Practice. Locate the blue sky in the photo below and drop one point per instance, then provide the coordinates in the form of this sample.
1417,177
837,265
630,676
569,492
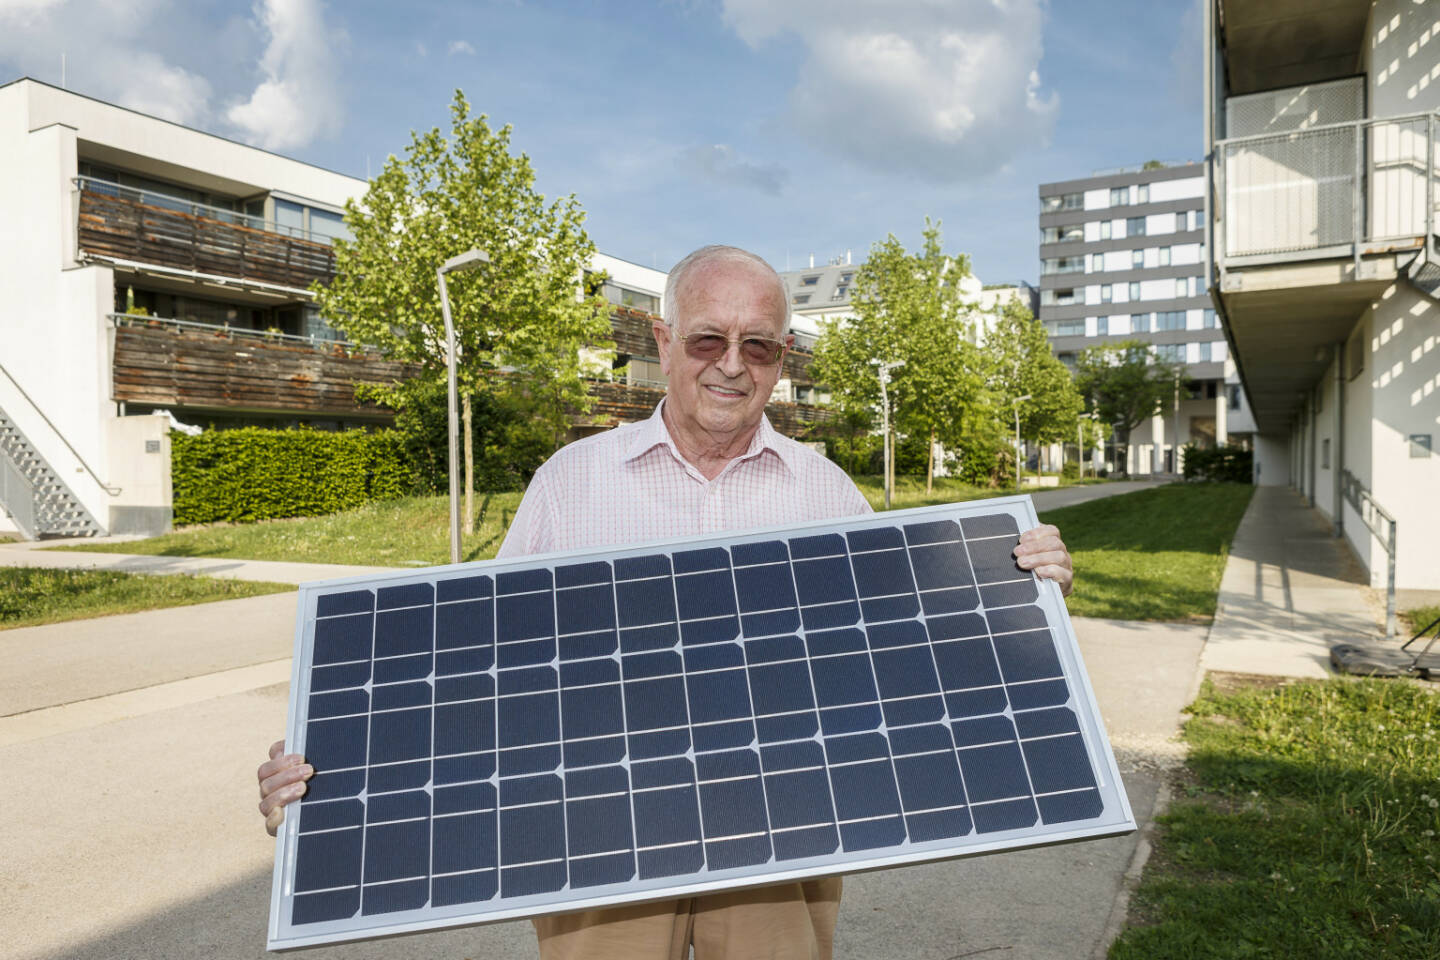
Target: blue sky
791,127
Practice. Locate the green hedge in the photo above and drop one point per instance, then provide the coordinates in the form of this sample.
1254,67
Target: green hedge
257,474
1227,464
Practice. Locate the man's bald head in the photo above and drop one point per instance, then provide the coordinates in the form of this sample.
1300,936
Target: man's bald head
682,275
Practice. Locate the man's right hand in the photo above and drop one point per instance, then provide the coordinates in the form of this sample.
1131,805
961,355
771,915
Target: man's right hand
282,781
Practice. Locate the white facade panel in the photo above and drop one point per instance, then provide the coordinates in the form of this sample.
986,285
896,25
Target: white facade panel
1092,231
1188,187
1158,223
1097,199
1185,254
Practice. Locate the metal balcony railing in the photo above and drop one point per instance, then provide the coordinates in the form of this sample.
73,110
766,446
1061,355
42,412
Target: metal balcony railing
1340,188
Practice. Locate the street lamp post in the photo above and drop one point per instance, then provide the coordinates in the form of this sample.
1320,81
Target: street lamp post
469,260
889,467
1016,404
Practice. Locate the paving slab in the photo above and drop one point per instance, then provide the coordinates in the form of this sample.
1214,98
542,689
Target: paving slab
274,571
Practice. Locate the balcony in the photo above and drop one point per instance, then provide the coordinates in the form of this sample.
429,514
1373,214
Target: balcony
143,228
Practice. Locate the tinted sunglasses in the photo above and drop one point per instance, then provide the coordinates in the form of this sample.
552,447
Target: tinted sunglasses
757,351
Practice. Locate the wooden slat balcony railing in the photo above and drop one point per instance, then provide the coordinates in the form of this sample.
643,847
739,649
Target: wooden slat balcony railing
114,224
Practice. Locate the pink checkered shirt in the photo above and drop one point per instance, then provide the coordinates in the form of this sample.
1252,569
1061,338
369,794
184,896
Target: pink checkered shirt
630,485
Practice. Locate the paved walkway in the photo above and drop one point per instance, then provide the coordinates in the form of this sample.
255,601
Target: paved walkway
1290,591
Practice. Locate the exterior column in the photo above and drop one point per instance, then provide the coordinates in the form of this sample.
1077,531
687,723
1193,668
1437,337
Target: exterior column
1157,434
1222,413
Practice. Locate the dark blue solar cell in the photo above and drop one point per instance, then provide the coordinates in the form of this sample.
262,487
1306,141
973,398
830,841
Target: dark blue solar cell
470,687
935,531
1044,723
330,905
584,753
596,871
405,595
914,710
657,664
399,735
588,645
462,769
396,851
1005,815
327,860
644,602
982,731
529,719
467,624
666,815
956,627
1008,594
799,799
598,825
1058,763
592,711
822,644
669,861
1046,693
1066,807
926,739
710,558
929,782
650,704
405,805
876,538
585,609
719,630
764,588
865,746
524,617
339,704
905,672
526,680
354,601
996,772
940,602
454,662
331,786
703,595
1016,619
766,551
391,897
830,615
474,887
464,727
737,852
586,673
530,790
414,693
660,773
715,656
642,639
964,664
416,666
791,756
339,678
523,581
398,776
722,695
464,798
781,688
336,744
769,624
331,815
938,824
990,525
811,842
865,790
890,608
840,720
940,565
640,568
843,680
822,545
463,588
579,574
823,581
994,560
341,639
530,880
906,633
596,781
771,649
663,743
871,834
724,735
398,632
791,726
882,574
464,842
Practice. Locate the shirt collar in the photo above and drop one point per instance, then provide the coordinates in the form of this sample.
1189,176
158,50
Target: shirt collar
652,432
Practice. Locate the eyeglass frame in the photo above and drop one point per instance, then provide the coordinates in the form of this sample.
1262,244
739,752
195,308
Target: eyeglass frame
780,347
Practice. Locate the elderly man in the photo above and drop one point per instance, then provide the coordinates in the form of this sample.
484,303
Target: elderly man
707,461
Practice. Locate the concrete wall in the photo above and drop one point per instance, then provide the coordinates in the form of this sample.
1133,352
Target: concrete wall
1402,62
1272,460
140,467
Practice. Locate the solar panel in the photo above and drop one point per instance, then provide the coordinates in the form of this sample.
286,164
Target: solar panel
514,738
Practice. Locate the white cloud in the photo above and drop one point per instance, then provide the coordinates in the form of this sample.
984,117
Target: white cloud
461,46
298,99
944,89
719,163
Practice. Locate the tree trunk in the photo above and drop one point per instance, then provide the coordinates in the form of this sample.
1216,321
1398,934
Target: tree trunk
469,467
930,466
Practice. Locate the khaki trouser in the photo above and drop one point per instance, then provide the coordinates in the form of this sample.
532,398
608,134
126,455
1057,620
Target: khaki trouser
793,921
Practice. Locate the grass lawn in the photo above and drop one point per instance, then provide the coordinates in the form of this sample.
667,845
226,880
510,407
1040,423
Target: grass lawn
411,532
910,491
1307,828
1412,620
1151,555
30,596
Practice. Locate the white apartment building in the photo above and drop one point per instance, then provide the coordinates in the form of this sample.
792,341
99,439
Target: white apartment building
1322,128
1121,258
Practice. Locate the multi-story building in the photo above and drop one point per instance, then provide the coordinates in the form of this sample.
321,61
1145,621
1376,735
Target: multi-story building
1321,127
1121,258
148,267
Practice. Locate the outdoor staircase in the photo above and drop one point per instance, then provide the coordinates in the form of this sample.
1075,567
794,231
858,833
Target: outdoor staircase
33,495
1424,272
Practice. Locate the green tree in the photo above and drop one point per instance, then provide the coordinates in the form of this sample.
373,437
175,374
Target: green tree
907,308
522,321
1022,363
1127,383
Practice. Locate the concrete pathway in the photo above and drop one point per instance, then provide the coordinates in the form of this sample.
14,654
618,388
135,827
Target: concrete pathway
1290,591
33,554
1069,496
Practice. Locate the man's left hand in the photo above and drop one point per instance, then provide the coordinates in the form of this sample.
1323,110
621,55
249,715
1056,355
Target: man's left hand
1042,552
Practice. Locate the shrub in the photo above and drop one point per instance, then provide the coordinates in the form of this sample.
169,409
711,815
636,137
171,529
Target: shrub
1071,470
1227,464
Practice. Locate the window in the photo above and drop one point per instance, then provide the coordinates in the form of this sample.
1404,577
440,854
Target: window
291,216
846,277
841,292
1064,201
1097,263
1119,196
1105,293
1076,231
1134,289
1170,352
1170,320
328,225
1204,353
1058,298
1102,326
1208,320
810,281
1142,193
800,298
1104,229
1181,287
1067,357
1325,454
1063,265
1134,226
1067,328
1164,256
1232,395
1137,259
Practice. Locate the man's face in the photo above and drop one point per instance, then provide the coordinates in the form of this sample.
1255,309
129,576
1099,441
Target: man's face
724,397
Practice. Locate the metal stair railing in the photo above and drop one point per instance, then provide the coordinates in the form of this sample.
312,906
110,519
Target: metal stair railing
17,497
113,491
1380,524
